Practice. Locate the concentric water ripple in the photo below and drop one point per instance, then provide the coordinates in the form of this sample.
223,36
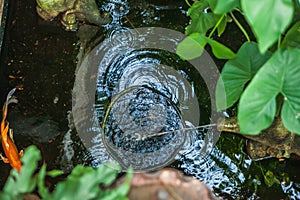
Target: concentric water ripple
147,101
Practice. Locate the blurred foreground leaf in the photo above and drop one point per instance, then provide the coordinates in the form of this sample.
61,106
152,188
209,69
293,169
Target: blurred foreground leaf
83,182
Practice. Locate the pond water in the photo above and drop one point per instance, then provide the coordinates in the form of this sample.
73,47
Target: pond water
41,57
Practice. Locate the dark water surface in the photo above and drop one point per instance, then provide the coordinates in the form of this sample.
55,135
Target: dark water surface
41,57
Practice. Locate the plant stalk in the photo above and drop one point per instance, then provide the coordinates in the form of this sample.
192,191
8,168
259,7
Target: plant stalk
188,3
240,27
216,26
279,42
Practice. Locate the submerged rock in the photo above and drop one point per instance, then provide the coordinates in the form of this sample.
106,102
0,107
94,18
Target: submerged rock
40,129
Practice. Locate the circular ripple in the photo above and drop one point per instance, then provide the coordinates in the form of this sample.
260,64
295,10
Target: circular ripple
144,61
133,127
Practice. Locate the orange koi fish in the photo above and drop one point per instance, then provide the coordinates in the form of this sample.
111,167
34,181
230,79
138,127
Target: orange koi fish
9,147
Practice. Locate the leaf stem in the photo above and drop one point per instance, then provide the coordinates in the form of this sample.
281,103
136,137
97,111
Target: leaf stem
188,3
279,42
216,26
240,27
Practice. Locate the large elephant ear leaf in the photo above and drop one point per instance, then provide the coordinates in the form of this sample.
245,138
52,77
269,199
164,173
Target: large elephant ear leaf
268,19
257,107
191,47
221,6
237,72
292,38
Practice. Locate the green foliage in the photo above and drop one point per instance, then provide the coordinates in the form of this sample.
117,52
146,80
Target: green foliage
292,38
219,50
192,47
238,72
201,20
273,174
221,6
268,19
274,73
24,182
221,24
258,103
270,179
82,183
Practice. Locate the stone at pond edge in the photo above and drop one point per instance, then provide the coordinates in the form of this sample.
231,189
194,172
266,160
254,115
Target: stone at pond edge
275,141
166,184
31,197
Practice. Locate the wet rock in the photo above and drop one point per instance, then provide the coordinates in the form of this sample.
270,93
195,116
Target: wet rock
40,129
72,11
31,197
275,141
167,184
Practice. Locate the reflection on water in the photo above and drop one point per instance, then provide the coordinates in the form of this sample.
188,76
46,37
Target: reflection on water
227,170
141,93
220,172
133,115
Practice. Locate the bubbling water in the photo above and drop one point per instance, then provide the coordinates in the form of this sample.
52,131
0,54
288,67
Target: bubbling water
131,117
147,101
147,97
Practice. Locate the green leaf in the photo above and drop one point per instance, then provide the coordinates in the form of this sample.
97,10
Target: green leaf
43,191
201,20
80,184
54,173
280,74
221,6
83,182
191,47
4,196
223,23
219,50
292,38
268,19
107,173
23,182
237,72
121,191
270,179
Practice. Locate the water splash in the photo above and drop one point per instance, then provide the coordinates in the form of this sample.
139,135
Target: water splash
142,91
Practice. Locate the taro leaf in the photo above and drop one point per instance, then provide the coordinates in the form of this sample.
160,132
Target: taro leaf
292,38
219,50
297,11
221,6
222,24
191,47
201,20
237,72
280,74
23,182
268,19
